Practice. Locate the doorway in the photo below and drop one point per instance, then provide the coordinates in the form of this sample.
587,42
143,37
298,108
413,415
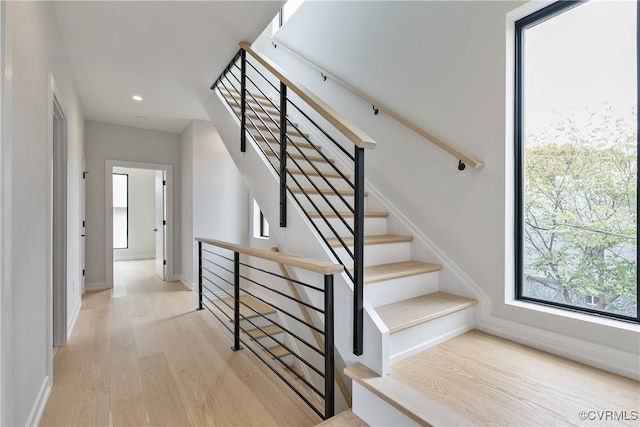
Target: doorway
139,221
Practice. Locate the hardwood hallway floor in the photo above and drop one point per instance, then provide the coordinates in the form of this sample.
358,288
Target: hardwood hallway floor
141,354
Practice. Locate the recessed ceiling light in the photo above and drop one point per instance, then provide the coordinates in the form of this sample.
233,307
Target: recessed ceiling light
141,118
137,98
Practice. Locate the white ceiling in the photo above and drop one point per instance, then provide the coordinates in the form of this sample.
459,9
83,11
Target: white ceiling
168,52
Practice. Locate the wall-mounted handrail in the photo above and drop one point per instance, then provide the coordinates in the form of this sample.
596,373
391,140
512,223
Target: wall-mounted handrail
355,135
378,106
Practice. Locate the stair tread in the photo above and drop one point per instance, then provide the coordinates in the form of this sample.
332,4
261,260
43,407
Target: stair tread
405,399
539,388
272,141
269,329
245,311
371,240
299,156
396,270
237,95
279,351
332,214
325,191
404,314
315,173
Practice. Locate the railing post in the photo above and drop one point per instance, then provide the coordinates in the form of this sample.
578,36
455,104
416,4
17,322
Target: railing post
236,302
199,275
283,155
243,100
329,398
358,253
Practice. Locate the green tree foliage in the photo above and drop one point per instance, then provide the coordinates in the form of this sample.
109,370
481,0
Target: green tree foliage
580,210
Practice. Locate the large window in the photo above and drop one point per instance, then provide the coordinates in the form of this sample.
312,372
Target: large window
577,157
120,211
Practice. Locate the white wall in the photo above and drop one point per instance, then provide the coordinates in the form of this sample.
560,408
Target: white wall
446,66
33,49
141,220
220,198
105,141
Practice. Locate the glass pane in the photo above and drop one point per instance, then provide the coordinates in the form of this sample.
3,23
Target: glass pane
120,188
580,158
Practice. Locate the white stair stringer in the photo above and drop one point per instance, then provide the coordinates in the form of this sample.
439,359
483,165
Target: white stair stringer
298,237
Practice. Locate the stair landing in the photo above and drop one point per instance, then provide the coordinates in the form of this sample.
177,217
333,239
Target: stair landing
481,379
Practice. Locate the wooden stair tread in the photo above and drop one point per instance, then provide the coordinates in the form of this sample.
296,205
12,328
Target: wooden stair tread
299,156
315,173
396,270
325,191
278,351
300,144
538,388
401,396
268,330
404,314
292,370
371,240
332,214
344,419
245,311
236,95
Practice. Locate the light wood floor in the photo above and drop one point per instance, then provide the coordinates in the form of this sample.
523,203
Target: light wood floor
495,382
141,354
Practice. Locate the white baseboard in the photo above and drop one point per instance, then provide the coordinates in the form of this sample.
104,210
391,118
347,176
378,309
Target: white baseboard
74,317
132,257
40,403
101,286
590,353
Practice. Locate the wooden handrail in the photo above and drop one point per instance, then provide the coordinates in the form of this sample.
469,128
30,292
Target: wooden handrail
326,268
355,135
476,164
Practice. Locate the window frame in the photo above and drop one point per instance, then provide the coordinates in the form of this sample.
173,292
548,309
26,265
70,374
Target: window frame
264,226
521,26
112,207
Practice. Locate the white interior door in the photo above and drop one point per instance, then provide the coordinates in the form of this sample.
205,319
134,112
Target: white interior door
161,225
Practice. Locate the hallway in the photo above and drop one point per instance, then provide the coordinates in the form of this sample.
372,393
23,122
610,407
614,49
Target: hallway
141,355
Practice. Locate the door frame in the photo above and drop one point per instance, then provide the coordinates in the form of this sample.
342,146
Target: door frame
59,161
6,306
168,170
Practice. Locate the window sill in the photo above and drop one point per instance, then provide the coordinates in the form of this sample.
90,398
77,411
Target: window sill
612,323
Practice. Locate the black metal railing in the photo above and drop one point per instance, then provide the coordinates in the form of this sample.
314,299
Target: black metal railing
316,182
242,295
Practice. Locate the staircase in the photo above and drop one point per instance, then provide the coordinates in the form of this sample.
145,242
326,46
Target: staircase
404,292
404,303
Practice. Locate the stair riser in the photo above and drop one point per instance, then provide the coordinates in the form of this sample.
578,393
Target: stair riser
320,182
321,203
372,226
379,254
421,337
390,291
376,411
